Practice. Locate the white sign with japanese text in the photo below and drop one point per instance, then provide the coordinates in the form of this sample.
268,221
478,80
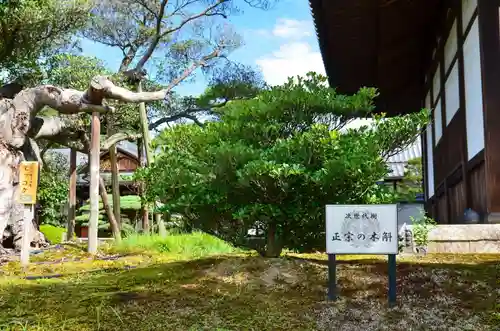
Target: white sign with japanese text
362,229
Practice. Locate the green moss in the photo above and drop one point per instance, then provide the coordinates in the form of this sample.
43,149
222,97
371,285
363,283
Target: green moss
52,233
190,245
172,291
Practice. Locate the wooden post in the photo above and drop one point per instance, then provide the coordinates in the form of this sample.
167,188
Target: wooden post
115,185
145,128
72,196
332,277
149,157
111,217
94,183
392,267
144,206
28,178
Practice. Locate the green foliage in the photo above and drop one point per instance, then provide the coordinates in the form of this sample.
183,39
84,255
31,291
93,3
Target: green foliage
127,202
102,220
53,189
31,29
195,244
130,206
74,71
277,160
231,82
412,180
53,233
421,227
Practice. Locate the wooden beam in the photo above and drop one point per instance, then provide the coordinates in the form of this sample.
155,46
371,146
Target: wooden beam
488,15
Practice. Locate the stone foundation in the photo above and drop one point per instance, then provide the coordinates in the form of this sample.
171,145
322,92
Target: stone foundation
465,238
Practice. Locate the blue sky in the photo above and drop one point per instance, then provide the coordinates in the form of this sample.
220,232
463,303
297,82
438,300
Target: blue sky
281,41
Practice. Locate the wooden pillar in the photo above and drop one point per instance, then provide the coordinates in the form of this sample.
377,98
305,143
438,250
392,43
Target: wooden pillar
115,185
94,183
488,15
72,196
461,88
442,97
423,159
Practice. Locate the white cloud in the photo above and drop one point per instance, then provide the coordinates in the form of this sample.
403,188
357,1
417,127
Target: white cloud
292,59
292,29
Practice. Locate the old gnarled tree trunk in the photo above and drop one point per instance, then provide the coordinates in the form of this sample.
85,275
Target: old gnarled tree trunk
20,128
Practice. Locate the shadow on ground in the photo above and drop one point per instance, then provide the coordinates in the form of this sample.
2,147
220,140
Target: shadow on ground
252,293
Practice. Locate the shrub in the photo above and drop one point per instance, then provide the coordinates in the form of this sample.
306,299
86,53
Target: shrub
52,233
193,244
277,160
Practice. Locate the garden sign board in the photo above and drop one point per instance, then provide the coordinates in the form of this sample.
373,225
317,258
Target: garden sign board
28,182
362,229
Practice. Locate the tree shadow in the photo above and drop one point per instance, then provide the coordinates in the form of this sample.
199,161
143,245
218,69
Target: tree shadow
238,293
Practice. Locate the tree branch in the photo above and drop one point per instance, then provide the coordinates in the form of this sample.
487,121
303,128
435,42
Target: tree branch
102,86
116,138
189,114
159,35
185,114
202,62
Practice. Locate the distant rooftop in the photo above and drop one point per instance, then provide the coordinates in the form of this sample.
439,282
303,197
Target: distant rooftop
81,158
398,162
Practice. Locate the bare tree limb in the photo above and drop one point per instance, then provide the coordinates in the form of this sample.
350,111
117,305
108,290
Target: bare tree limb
159,34
202,62
45,149
189,114
116,138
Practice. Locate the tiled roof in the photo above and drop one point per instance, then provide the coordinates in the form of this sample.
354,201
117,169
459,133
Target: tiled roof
81,158
398,162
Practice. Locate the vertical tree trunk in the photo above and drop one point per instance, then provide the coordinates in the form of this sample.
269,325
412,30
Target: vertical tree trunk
115,185
149,157
94,183
72,196
111,217
144,206
273,247
162,230
145,128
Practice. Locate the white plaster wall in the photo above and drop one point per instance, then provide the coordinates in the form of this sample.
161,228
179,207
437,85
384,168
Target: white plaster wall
450,47
473,93
452,94
430,162
436,82
468,7
428,101
438,122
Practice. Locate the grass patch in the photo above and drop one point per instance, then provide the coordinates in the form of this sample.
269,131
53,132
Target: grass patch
196,244
179,289
52,233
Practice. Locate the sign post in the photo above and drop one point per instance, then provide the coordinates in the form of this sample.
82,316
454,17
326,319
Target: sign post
28,179
362,229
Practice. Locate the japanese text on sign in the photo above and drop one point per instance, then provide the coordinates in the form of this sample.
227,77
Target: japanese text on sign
361,229
28,181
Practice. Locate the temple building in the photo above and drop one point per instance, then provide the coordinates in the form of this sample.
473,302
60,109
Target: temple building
127,162
443,55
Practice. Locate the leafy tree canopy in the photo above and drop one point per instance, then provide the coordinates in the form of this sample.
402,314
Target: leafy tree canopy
30,29
53,189
276,160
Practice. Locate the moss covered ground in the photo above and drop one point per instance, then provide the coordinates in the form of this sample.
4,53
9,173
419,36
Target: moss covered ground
196,289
